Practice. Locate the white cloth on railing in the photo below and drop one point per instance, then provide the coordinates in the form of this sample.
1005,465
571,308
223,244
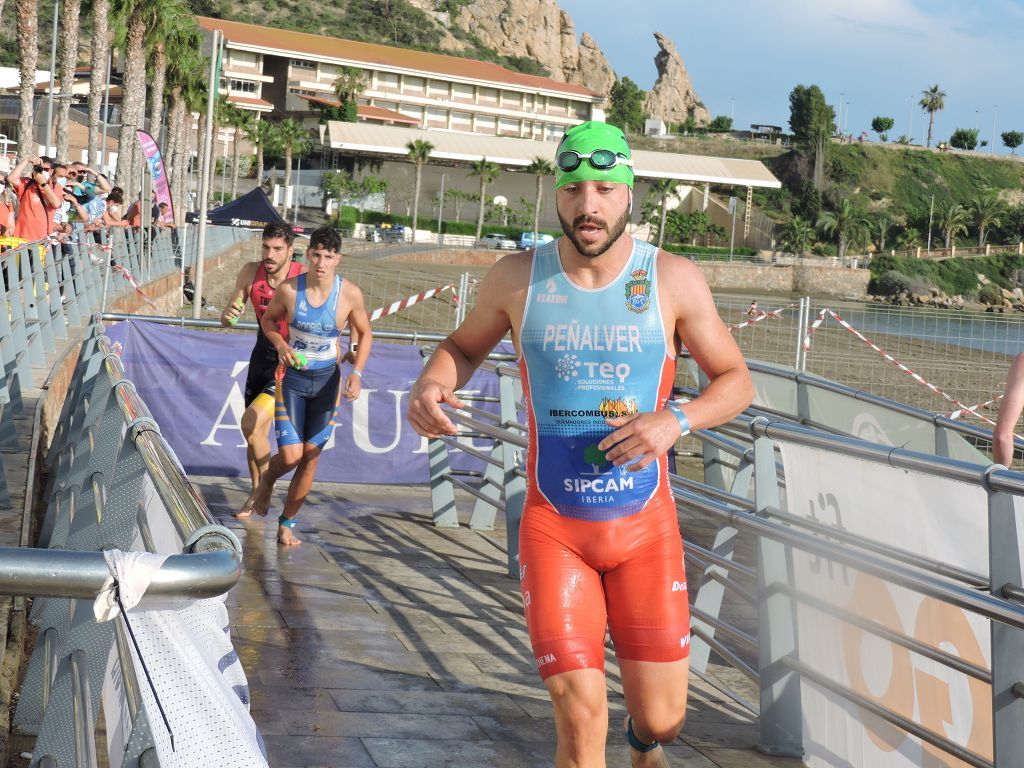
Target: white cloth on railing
130,573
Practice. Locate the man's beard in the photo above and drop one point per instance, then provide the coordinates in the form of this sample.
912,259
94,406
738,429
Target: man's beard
592,251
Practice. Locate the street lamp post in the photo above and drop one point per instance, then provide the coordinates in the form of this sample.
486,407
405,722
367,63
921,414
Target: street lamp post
53,63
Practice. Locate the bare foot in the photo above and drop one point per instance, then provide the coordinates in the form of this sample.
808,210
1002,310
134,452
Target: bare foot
286,538
258,502
654,759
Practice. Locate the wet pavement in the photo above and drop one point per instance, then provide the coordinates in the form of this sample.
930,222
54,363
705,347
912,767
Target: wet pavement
386,642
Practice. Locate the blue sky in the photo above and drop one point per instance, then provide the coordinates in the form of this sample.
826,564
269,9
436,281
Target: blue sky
876,55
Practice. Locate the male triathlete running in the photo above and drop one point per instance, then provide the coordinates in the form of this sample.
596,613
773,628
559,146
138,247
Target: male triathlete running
316,307
256,282
598,319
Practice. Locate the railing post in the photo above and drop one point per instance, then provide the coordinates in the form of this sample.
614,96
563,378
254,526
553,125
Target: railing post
510,391
54,290
442,492
1004,551
781,720
484,512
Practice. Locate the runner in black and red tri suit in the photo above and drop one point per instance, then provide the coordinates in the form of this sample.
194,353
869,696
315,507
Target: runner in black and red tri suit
257,283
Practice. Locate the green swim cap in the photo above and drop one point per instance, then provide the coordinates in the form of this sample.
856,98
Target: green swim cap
598,151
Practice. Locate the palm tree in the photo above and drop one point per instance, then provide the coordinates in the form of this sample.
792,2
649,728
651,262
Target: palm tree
244,123
487,172
663,188
953,222
263,137
419,152
134,17
988,210
798,236
882,224
66,73
932,100
846,223
97,75
347,87
293,139
171,22
541,168
28,53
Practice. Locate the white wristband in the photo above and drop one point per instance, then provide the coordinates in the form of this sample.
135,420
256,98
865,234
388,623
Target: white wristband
357,372
684,423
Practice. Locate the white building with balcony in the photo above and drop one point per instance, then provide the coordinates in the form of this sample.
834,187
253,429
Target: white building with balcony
293,73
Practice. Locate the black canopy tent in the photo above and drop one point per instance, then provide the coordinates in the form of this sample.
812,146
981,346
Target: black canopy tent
251,211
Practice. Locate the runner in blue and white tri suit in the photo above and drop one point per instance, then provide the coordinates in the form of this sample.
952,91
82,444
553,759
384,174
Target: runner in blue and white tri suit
317,307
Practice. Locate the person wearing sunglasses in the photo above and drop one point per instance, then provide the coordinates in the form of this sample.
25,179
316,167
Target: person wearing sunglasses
598,320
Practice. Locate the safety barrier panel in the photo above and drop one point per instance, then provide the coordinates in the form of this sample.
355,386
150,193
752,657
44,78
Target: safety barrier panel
51,289
113,483
904,601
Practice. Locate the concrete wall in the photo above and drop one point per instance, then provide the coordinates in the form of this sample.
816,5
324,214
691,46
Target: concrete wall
811,280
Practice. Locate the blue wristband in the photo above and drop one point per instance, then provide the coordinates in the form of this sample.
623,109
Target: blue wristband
287,522
684,423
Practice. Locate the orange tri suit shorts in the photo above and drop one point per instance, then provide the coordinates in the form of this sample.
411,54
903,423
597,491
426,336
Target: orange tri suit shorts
580,578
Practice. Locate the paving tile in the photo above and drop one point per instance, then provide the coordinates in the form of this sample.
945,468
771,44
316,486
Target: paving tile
394,726
496,705
423,753
308,751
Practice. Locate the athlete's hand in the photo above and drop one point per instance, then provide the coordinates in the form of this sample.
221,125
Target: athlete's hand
231,313
425,412
286,356
353,386
640,438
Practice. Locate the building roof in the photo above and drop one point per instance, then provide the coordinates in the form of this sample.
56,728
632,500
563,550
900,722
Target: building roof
391,141
251,102
355,53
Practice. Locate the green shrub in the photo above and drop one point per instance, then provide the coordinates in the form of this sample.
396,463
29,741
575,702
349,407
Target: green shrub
990,294
889,283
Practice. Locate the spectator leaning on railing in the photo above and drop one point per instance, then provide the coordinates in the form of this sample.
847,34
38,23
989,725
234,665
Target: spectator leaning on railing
37,200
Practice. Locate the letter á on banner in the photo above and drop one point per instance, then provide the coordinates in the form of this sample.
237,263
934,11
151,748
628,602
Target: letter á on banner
235,402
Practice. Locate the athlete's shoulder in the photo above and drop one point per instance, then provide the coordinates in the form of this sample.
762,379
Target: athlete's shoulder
249,270
512,270
672,266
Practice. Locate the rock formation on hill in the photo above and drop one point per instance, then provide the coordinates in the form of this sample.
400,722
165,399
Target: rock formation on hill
672,98
540,30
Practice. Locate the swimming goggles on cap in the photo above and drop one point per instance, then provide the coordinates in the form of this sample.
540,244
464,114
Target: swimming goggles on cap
602,159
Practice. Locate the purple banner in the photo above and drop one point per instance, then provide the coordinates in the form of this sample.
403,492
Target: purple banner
156,172
193,383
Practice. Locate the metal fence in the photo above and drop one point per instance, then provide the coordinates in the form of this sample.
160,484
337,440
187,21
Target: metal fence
758,638
946,361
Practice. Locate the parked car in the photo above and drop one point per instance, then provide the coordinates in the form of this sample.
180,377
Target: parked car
497,240
386,233
526,239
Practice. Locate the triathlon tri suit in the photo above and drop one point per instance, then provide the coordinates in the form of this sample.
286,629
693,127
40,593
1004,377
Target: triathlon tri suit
308,397
263,360
599,545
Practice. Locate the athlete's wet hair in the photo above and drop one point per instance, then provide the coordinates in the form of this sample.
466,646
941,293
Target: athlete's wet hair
280,229
326,237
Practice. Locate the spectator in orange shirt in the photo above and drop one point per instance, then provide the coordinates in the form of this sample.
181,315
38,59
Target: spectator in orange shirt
37,200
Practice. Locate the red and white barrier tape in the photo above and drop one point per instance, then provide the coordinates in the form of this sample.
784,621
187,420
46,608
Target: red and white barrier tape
400,305
960,411
135,283
775,313
886,356
813,328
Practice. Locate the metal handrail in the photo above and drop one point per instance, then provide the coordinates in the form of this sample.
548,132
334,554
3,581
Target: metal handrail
962,597
34,572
